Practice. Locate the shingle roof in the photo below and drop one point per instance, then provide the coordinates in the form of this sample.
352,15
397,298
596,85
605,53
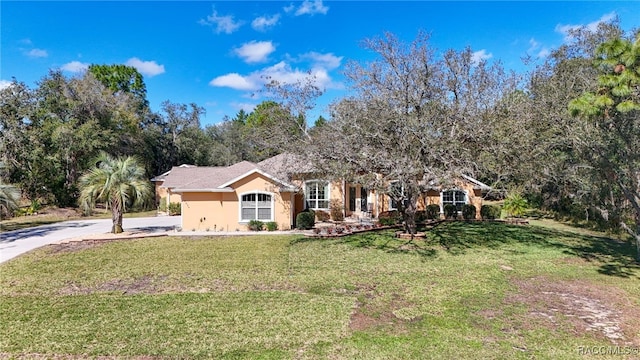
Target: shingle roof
162,176
283,166
213,178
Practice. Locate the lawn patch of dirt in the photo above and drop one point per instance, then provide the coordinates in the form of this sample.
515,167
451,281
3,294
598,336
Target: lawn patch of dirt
581,306
142,285
73,246
70,357
397,313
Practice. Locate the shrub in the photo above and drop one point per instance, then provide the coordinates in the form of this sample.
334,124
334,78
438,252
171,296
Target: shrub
388,218
175,209
322,216
271,226
162,206
468,212
450,211
515,204
337,213
305,220
255,225
433,212
490,212
421,216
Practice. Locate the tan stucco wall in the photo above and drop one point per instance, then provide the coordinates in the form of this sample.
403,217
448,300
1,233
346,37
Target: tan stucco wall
474,197
221,212
163,192
336,192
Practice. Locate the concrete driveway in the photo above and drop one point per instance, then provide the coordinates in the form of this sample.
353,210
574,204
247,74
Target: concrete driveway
17,242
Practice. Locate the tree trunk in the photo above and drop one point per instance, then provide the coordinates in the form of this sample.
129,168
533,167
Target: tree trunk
637,236
116,217
409,215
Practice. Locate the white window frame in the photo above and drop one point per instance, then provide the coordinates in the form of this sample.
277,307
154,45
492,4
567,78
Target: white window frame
466,199
271,206
316,200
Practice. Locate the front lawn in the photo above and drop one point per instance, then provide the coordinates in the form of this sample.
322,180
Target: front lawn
469,291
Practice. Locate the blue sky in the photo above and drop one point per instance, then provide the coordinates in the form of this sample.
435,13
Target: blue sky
216,54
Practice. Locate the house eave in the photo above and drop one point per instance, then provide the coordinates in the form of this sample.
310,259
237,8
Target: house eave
215,190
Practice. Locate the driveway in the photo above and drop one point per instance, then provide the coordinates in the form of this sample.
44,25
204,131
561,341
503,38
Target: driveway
17,242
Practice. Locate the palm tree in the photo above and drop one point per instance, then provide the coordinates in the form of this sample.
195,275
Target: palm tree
9,197
119,182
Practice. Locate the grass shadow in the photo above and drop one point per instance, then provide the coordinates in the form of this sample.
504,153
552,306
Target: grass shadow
615,257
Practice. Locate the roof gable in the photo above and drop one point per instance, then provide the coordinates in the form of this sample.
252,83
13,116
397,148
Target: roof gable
214,178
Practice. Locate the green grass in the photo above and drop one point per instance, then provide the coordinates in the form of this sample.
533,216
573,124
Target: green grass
368,296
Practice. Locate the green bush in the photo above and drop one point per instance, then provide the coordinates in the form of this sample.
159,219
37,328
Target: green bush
433,211
175,209
515,205
322,216
337,213
388,218
271,226
421,216
162,206
468,212
305,220
255,225
450,211
490,212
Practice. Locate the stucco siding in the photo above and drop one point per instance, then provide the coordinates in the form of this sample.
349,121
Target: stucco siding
220,211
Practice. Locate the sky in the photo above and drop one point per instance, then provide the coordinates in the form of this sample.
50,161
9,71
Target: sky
219,54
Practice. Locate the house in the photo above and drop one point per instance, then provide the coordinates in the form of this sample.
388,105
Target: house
227,198
279,188
162,192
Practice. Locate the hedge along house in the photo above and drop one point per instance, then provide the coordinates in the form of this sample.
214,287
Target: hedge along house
228,198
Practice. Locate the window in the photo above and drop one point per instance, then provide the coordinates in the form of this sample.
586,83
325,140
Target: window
352,198
363,199
396,189
317,195
256,206
455,197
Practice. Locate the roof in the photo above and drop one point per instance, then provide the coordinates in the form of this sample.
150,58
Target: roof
162,176
476,183
216,179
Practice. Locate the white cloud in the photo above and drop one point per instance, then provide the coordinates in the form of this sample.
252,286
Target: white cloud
542,52
319,66
255,51
4,84
308,8
247,107
478,56
221,24
325,61
566,30
75,67
37,53
235,81
148,68
263,23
